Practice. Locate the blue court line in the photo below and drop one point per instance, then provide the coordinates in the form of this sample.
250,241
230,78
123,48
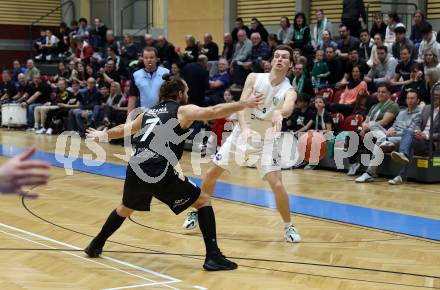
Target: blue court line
368,217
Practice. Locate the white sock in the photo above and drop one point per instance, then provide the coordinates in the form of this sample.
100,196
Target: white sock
286,225
194,210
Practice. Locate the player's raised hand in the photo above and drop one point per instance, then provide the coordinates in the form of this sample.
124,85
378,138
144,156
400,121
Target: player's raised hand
100,136
19,171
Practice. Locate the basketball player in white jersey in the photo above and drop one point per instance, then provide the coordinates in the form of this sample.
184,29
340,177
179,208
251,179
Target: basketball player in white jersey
256,137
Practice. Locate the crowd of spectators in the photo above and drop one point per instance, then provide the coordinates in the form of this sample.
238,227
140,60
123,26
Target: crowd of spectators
381,78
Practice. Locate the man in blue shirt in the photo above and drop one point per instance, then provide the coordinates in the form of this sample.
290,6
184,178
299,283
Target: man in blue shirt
218,84
146,82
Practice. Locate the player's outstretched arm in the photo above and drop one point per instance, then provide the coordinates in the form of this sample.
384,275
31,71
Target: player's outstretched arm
189,113
248,90
117,132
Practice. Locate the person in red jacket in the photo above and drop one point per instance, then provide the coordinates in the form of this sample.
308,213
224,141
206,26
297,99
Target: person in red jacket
83,51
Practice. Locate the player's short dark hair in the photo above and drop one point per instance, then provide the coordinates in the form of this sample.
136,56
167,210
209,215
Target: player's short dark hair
364,30
170,88
285,47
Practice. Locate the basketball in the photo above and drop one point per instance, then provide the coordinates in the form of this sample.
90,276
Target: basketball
312,146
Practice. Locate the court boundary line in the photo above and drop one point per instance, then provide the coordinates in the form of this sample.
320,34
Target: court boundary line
116,261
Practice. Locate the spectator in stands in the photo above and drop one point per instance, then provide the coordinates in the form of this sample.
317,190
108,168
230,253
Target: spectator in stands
39,42
257,26
64,41
191,52
355,86
243,47
146,82
301,35
22,90
218,84
90,72
301,119
175,69
66,101
352,11
209,48
239,25
320,71
83,29
431,67
390,35
322,120
335,66
98,35
41,112
149,41
416,140
379,25
31,70
196,76
82,75
326,41
346,42
228,47
72,69
416,33
17,69
115,112
113,55
406,119
73,28
403,69
379,40
108,74
38,94
353,60
402,41
7,88
301,83
110,41
382,114
90,99
62,72
383,71
167,52
50,47
82,51
128,50
429,41
366,45
322,24
417,84
260,52
273,42
285,33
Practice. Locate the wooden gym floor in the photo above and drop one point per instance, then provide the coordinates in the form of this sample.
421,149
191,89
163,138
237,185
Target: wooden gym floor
41,240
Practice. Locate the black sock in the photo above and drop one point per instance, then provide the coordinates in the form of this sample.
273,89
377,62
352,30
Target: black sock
207,226
114,221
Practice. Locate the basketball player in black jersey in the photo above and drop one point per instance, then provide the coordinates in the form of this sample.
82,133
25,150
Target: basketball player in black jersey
151,171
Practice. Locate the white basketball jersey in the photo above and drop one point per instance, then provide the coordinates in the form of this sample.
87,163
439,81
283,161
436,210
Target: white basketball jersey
260,119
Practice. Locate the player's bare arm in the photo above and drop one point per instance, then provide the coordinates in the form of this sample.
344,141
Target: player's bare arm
117,132
189,113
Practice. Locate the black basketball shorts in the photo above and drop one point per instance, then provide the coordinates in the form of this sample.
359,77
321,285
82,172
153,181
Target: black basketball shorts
174,189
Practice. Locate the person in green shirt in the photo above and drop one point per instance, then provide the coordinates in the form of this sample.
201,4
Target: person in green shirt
320,71
382,114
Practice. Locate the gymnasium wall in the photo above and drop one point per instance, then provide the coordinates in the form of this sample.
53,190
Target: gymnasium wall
15,20
195,17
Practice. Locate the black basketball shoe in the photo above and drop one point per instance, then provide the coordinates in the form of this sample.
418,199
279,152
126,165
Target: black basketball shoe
93,250
218,263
